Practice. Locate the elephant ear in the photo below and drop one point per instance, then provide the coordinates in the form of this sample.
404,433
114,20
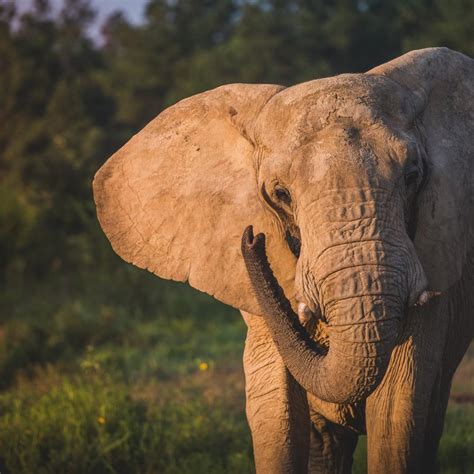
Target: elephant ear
177,197
438,87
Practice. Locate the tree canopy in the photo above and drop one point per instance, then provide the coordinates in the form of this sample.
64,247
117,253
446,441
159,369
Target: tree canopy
67,102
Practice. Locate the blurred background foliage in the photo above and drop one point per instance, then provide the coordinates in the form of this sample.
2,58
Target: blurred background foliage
67,102
104,368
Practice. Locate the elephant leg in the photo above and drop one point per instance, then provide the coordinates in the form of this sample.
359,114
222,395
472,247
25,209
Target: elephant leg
459,337
434,426
277,407
398,412
332,447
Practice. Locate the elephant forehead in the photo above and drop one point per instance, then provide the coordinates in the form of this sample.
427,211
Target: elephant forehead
338,156
296,114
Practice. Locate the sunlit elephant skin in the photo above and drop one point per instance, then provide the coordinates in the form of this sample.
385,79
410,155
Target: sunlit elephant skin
338,216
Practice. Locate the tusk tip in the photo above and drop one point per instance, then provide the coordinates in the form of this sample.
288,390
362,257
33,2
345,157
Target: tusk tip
304,313
426,296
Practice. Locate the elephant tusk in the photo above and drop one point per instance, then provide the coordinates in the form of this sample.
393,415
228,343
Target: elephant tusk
304,313
426,296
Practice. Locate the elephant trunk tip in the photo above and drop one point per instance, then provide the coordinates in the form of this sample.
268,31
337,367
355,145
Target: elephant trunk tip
251,242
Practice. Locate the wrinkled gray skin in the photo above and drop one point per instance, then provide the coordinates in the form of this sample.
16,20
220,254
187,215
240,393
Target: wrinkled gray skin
363,186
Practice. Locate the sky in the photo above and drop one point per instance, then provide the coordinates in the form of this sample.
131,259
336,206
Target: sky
133,10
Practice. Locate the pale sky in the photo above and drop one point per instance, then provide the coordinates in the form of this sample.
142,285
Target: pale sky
133,9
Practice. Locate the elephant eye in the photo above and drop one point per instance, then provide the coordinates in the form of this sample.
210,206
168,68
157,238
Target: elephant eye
282,194
411,178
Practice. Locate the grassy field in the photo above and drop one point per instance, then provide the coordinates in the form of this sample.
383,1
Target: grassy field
146,378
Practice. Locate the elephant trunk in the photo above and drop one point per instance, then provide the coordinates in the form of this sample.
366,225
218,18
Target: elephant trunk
362,328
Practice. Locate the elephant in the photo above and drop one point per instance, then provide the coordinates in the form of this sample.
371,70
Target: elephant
338,216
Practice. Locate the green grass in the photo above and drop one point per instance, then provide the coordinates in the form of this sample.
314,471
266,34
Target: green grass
98,378
95,426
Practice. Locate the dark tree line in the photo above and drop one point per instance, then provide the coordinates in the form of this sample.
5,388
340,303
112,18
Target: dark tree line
67,102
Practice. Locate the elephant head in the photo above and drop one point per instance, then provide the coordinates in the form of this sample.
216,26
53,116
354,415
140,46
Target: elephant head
361,183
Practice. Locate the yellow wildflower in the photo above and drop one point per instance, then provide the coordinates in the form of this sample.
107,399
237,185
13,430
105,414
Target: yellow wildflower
203,366
101,420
